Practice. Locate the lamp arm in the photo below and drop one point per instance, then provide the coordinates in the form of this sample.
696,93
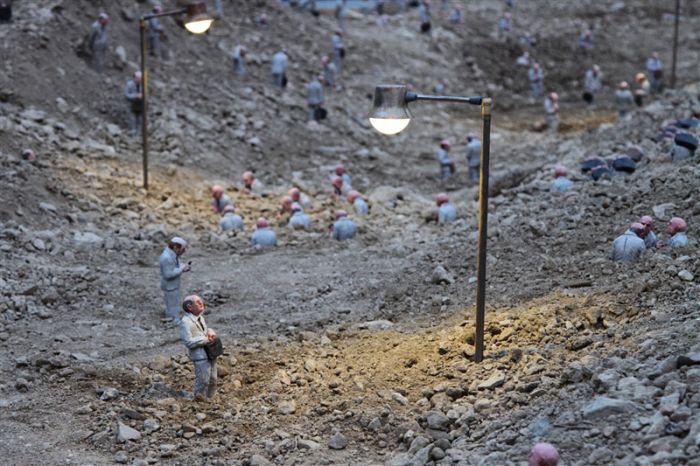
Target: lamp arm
473,100
165,13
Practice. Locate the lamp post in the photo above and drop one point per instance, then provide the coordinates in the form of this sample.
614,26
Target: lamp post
675,43
197,22
390,115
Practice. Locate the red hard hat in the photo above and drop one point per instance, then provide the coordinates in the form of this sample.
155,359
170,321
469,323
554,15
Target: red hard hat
352,195
445,143
441,198
337,181
339,169
28,154
637,228
262,223
543,454
646,220
560,170
340,214
294,193
678,224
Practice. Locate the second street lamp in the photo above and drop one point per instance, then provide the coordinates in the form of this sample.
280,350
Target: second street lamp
390,115
197,22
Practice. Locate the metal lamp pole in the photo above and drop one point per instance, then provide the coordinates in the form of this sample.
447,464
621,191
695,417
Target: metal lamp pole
196,8
485,103
675,43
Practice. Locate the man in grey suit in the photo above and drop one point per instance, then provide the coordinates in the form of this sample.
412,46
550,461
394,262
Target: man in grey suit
196,335
170,271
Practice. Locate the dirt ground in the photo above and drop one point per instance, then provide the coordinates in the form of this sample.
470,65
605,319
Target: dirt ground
357,352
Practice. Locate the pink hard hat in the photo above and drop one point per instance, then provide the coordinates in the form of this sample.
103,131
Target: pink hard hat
294,193
138,76
28,154
640,77
637,228
352,195
103,18
339,169
262,223
286,201
646,220
337,181
596,68
678,224
554,96
560,170
441,198
229,208
248,175
543,454
624,85
216,189
445,143
325,60
340,213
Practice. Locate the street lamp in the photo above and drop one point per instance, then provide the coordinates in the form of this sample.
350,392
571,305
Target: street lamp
197,22
390,115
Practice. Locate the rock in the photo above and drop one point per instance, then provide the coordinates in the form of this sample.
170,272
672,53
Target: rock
113,130
121,457
496,380
337,442
22,384
287,407
47,207
436,420
150,425
310,365
39,244
660,210
306,444
690,359
120,52
399,398
86,238
126,433
108,393
437,453
62,105
376,325
375,424
440,276
167,450
33,114
685,275
604,406
133,414
257,460
669,403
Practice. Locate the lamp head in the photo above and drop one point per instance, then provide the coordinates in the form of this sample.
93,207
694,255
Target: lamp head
390,114
197,20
